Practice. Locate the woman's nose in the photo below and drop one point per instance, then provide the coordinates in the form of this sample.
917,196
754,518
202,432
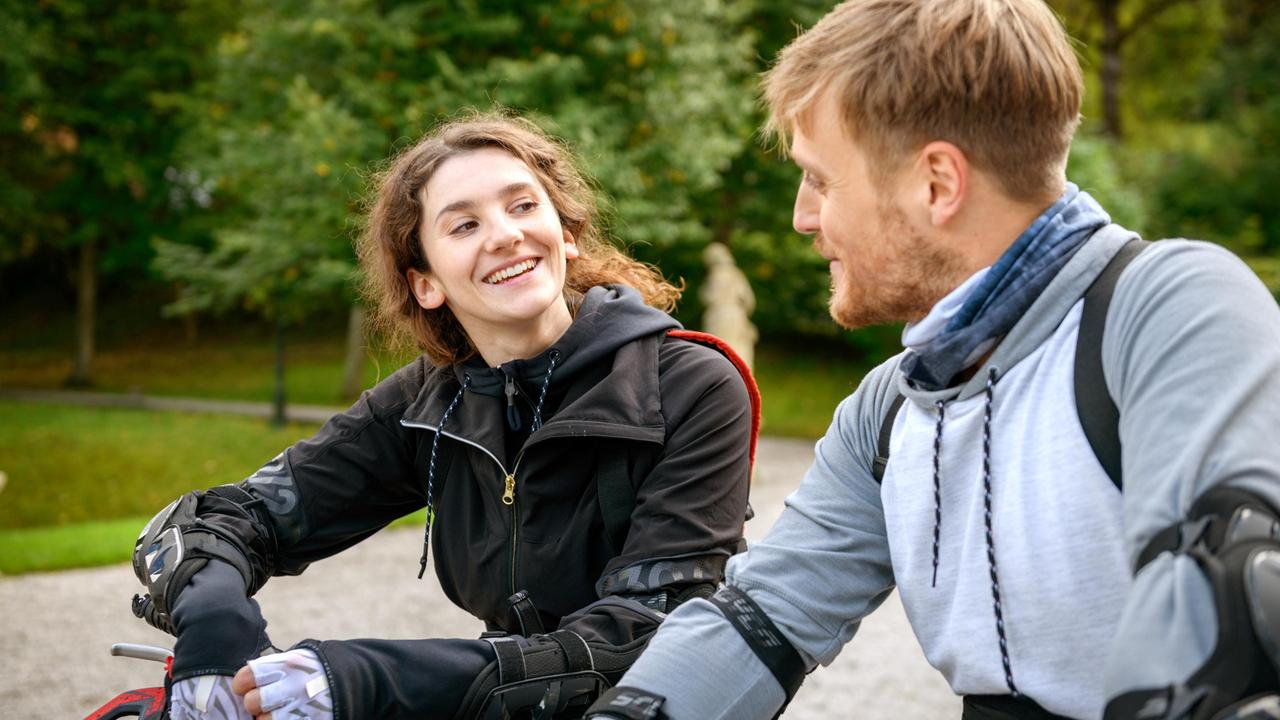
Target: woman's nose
505,233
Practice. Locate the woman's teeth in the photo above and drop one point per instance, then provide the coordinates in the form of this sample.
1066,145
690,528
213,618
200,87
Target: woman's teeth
510,272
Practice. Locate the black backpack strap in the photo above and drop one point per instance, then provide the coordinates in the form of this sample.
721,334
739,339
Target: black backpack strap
882,444
1099,416
617,497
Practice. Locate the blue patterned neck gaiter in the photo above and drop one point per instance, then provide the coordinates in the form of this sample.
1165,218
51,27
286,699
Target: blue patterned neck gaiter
1013,283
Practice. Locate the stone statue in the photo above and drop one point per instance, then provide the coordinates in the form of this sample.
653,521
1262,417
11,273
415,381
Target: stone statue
728,300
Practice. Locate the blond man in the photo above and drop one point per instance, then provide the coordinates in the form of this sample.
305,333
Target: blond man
1055,558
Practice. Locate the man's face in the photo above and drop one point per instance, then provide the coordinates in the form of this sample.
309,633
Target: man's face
883,268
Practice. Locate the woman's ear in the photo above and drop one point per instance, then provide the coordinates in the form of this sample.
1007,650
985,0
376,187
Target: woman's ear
570,245
425,291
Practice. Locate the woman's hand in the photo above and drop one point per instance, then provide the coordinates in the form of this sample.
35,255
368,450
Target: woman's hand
292,682
205,697
218,627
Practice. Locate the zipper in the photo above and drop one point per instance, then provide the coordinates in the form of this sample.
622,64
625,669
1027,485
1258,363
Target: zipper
515,517
515,526
509,497
513,414
464,441
508,486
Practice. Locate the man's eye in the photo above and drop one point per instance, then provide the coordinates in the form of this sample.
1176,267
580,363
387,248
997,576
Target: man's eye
525,206
813,182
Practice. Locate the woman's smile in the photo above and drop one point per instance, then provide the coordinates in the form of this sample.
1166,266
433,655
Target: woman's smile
510,273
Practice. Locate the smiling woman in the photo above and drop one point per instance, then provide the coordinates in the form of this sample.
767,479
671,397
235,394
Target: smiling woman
496,254
583,472
435,189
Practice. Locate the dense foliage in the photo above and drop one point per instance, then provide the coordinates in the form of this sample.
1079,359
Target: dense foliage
234,141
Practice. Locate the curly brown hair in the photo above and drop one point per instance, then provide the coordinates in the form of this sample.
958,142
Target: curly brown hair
390,243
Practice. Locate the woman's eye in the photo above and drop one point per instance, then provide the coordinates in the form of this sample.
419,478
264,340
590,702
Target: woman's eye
814,183
525,206
467,226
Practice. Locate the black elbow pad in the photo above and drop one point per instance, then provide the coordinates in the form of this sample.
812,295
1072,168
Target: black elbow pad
1234,537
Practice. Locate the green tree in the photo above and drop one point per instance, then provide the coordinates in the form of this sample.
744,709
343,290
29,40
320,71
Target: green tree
87,135
656,96
1129,44
1219,182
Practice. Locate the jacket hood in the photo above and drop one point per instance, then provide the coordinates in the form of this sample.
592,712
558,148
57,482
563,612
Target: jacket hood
609,317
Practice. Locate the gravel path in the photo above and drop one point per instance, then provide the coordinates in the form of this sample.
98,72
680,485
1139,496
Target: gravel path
56,628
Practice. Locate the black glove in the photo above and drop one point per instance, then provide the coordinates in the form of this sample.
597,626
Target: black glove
218,627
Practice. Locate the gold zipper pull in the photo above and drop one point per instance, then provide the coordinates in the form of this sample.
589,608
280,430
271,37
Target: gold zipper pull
509,490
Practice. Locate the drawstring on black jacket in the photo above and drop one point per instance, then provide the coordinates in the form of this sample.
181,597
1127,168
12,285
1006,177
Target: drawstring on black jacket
997,604
513,421
553,357
431,472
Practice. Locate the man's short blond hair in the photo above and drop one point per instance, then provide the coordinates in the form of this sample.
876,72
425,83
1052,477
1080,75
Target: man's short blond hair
997,78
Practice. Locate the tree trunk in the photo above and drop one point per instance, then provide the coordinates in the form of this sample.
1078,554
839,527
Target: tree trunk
191,327
86,314
353,366
277,405
1112,40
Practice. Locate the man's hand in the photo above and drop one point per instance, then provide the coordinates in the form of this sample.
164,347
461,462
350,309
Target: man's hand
292,682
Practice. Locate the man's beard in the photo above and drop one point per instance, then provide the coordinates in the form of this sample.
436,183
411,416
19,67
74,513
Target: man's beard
911,276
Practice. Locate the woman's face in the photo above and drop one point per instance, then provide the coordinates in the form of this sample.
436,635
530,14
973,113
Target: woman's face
495,249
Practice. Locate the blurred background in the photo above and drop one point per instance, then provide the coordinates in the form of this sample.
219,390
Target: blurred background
180,183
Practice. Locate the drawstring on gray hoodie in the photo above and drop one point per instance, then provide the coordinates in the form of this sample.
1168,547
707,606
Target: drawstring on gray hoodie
994,299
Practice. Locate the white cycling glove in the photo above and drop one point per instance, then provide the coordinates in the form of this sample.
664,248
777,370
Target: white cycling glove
292,684
207,697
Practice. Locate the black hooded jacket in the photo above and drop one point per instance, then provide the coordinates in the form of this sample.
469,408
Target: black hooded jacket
614,389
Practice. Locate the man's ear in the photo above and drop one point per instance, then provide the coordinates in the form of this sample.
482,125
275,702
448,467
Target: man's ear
425,290
946,173
570,245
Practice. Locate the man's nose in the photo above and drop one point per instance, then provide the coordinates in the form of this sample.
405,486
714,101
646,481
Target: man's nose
807,212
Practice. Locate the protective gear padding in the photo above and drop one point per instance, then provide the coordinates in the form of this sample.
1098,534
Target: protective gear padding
560,671
624,703
177,543
763,637
1234,537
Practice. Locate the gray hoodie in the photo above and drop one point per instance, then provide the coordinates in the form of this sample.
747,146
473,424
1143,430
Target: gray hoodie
1191,354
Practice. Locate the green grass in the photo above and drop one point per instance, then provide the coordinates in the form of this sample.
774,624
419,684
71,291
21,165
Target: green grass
88,544
800,387
224,368
59,548
78,483
68,465
800,391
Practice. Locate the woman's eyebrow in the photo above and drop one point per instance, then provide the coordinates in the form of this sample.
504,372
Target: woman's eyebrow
512,189
517,187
